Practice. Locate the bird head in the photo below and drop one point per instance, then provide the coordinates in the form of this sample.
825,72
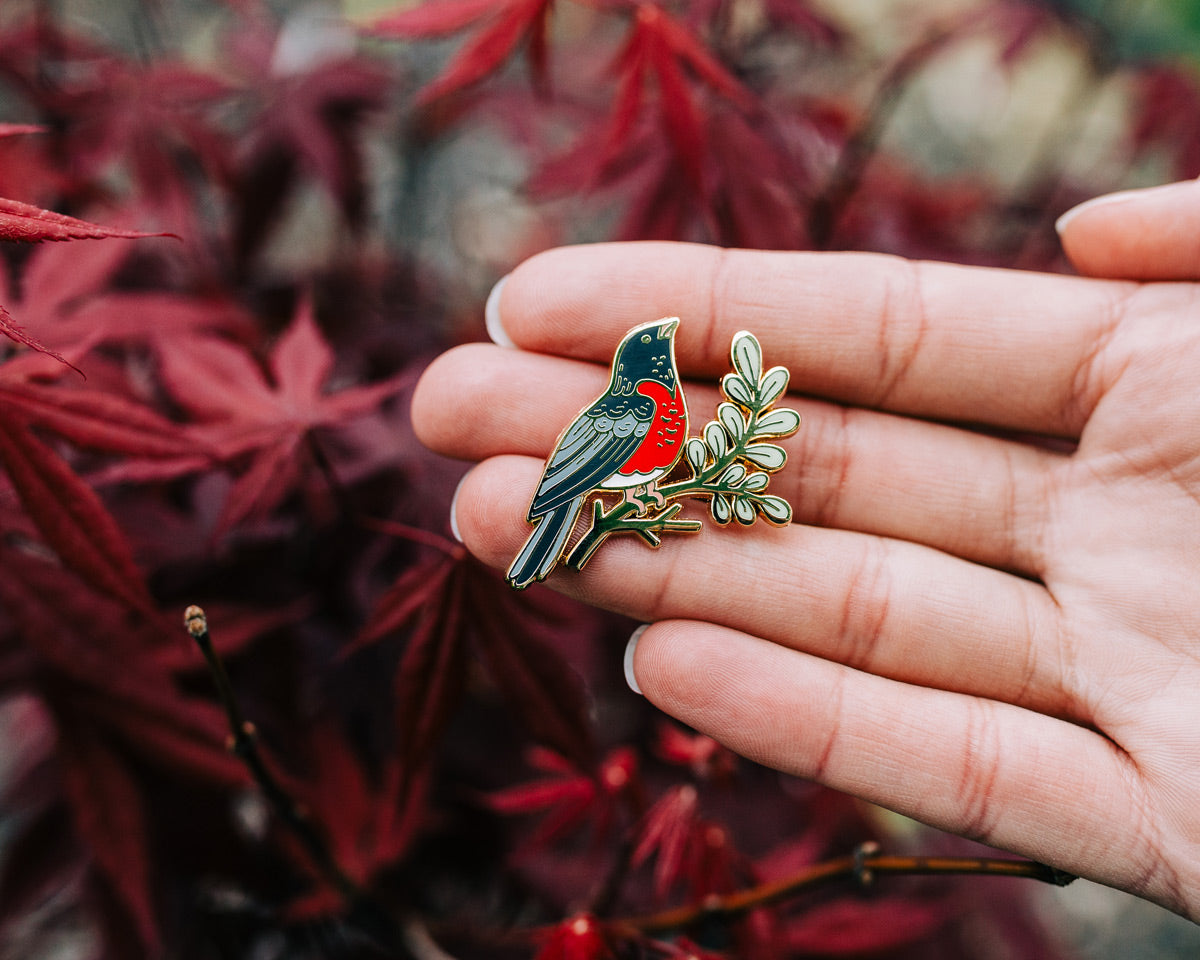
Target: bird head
646,353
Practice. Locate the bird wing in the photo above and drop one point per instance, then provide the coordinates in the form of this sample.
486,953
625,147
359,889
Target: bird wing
594,447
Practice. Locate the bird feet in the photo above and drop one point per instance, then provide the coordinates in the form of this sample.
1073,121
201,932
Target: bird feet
641,497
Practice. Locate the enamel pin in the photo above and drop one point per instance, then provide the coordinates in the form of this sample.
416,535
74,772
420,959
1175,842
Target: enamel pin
635,435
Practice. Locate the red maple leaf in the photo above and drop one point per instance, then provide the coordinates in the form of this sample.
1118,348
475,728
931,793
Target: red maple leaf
687,847
26,223
662,49
108,704
243,413
450,605
70,516
706,758
751,189
569,798
111,109
368,823
864,928
1169,105
504,25
308,124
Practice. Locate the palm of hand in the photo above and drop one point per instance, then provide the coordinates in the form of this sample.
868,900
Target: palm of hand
989,635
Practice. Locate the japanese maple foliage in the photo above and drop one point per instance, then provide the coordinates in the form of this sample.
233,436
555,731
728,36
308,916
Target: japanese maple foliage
472,773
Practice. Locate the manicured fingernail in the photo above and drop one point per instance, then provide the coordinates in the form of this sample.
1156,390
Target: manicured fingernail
1109,199
630,647
491,316
454,510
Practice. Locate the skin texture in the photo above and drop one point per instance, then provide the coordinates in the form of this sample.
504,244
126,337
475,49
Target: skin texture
997,637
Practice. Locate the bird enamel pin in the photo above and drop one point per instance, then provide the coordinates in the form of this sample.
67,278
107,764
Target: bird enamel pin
632,441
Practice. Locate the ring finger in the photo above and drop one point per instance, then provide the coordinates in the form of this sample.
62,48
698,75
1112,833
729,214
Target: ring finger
889,607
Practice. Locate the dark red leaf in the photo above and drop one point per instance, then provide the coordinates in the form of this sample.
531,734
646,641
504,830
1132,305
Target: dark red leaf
222,385
689,50
703,755
110,817
367,828
13,129
487,51
682,120
572,798
100,420
669,831
11,329
301,360
540,685
813,23
92,667
416,588
851,927
70,516
263,487
29,224
430,677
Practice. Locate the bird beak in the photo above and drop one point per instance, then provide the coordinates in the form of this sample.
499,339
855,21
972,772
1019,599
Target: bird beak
667,327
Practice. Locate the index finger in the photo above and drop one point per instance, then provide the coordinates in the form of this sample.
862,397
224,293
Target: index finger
1001,347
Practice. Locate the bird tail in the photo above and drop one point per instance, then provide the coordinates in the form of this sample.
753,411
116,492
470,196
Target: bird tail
545,545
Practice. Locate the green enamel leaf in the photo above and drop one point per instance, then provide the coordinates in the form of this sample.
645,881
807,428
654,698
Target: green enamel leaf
733,475
775,509
743,509
766,455
747,356
721,511
697,453
778,423
737,389
756,482
772,386
717,439
732,418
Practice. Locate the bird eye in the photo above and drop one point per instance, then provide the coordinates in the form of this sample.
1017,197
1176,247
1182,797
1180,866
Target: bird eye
645,338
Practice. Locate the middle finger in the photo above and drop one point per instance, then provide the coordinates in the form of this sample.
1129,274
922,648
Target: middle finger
975,496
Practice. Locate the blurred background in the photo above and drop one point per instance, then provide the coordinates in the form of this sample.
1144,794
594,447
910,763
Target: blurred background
342,185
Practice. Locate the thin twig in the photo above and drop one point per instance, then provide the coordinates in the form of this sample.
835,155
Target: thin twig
863,866
243,743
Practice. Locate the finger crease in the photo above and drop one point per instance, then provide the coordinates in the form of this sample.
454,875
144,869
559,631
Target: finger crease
896,359
979,772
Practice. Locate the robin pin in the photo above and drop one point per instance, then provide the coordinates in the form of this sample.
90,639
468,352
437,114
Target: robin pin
632,440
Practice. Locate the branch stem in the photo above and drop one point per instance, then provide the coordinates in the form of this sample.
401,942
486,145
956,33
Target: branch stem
243,743
622,519
862,866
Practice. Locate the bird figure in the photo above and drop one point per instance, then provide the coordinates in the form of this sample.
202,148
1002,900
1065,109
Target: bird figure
628,438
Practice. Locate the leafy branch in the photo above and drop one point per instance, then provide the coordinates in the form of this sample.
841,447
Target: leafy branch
730,463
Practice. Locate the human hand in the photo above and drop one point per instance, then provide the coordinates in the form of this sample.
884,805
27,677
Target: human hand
995,637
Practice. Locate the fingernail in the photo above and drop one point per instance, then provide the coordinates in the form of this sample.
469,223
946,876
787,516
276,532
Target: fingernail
491,316
1108,199
630,647
454,510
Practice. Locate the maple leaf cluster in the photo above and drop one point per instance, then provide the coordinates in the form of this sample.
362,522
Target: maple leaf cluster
203,392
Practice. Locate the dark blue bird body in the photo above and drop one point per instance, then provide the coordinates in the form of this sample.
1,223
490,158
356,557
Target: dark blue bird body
626,439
